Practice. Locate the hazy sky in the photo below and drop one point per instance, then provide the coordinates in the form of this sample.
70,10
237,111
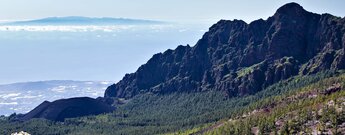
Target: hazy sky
172,10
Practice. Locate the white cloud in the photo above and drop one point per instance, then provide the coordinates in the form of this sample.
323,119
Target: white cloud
5,96
89,83
59,89
80,28
105,83
26,97
9,103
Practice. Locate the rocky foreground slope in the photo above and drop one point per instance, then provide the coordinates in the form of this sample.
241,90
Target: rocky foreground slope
240,59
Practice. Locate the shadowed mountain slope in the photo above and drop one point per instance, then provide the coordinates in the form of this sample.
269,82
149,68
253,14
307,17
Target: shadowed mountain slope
68,108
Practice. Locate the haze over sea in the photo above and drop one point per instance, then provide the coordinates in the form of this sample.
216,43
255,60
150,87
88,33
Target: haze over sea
85,52
69,49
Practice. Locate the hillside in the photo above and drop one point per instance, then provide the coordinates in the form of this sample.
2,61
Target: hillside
280,75
317,108
185,113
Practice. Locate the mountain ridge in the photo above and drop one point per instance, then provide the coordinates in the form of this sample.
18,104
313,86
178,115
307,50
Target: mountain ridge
240,58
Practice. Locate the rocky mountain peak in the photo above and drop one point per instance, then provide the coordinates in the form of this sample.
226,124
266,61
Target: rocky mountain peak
291,9
240,58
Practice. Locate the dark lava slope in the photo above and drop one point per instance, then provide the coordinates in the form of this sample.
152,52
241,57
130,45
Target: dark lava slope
68,108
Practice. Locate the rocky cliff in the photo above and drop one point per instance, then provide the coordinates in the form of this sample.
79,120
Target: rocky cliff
239,58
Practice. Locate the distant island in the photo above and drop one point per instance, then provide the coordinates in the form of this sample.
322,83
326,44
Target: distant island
78,20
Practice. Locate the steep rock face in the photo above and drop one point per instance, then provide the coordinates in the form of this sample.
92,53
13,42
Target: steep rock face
240,58
68,108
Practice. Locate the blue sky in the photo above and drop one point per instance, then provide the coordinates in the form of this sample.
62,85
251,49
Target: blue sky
172,10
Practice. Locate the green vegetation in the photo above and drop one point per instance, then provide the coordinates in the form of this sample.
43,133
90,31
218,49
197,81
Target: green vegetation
311,109
247,70
185,113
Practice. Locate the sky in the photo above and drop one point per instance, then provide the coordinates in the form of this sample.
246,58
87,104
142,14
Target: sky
170,10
